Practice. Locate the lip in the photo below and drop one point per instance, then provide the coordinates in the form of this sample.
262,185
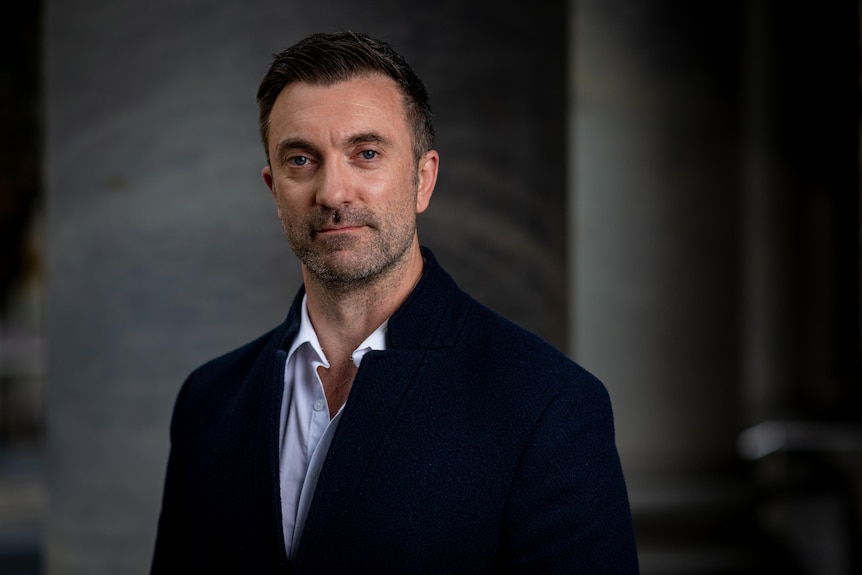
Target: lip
340,229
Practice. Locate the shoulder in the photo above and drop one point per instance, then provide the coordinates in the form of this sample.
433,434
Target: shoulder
232,375
497,341
523,376
238,360
223,394
485,351
230,370
240,357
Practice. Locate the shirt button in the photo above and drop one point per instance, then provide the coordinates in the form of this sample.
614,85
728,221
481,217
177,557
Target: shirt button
318,405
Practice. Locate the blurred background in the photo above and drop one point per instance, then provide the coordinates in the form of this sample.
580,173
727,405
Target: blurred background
668,191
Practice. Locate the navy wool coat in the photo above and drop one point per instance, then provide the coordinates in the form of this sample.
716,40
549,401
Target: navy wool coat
468,446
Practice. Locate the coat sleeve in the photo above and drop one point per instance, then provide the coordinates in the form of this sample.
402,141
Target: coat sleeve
171,553
568,510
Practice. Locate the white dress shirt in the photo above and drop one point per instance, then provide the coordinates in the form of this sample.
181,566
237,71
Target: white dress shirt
305,427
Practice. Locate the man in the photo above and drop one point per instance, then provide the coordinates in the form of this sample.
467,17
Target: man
391,424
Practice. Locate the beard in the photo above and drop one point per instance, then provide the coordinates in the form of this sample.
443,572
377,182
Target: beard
350,260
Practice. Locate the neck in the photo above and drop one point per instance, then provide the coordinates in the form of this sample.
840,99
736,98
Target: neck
343,316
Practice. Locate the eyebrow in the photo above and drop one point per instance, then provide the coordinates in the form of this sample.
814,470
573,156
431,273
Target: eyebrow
289,144
369,137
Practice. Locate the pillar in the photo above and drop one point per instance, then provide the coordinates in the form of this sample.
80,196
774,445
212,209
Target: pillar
654,262
654,225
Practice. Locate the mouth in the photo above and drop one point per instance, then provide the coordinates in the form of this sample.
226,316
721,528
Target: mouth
342,222
339,229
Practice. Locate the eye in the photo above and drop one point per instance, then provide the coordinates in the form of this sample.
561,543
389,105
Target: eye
297,161
368,154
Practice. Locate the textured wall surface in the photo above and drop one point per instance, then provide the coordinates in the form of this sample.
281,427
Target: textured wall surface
164,246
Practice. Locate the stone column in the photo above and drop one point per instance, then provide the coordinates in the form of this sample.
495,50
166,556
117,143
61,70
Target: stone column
801,205
654,270
714,264
654,225
164,249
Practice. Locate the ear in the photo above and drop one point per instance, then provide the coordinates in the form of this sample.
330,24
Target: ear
267,177
427,178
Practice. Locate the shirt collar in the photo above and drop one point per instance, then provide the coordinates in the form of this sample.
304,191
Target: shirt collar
306,334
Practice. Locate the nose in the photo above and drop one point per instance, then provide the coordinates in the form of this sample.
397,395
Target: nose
335,185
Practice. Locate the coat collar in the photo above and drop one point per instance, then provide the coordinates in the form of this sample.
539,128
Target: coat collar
430,317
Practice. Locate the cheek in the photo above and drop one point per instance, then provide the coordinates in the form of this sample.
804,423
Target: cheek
286,214
278,207
286,201
401,189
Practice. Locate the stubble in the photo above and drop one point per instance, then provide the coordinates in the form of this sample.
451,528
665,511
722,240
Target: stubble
343,262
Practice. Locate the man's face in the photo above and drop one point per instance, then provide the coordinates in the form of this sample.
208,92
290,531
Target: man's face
344,177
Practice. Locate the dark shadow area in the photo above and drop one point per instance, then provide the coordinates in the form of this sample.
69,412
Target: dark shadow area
22,489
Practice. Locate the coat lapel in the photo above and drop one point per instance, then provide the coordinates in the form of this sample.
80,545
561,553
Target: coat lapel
382,386
430,318
385,383
267,378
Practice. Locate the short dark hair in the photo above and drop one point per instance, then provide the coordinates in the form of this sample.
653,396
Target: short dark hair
326,59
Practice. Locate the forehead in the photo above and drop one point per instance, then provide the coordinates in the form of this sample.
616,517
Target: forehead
362,103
